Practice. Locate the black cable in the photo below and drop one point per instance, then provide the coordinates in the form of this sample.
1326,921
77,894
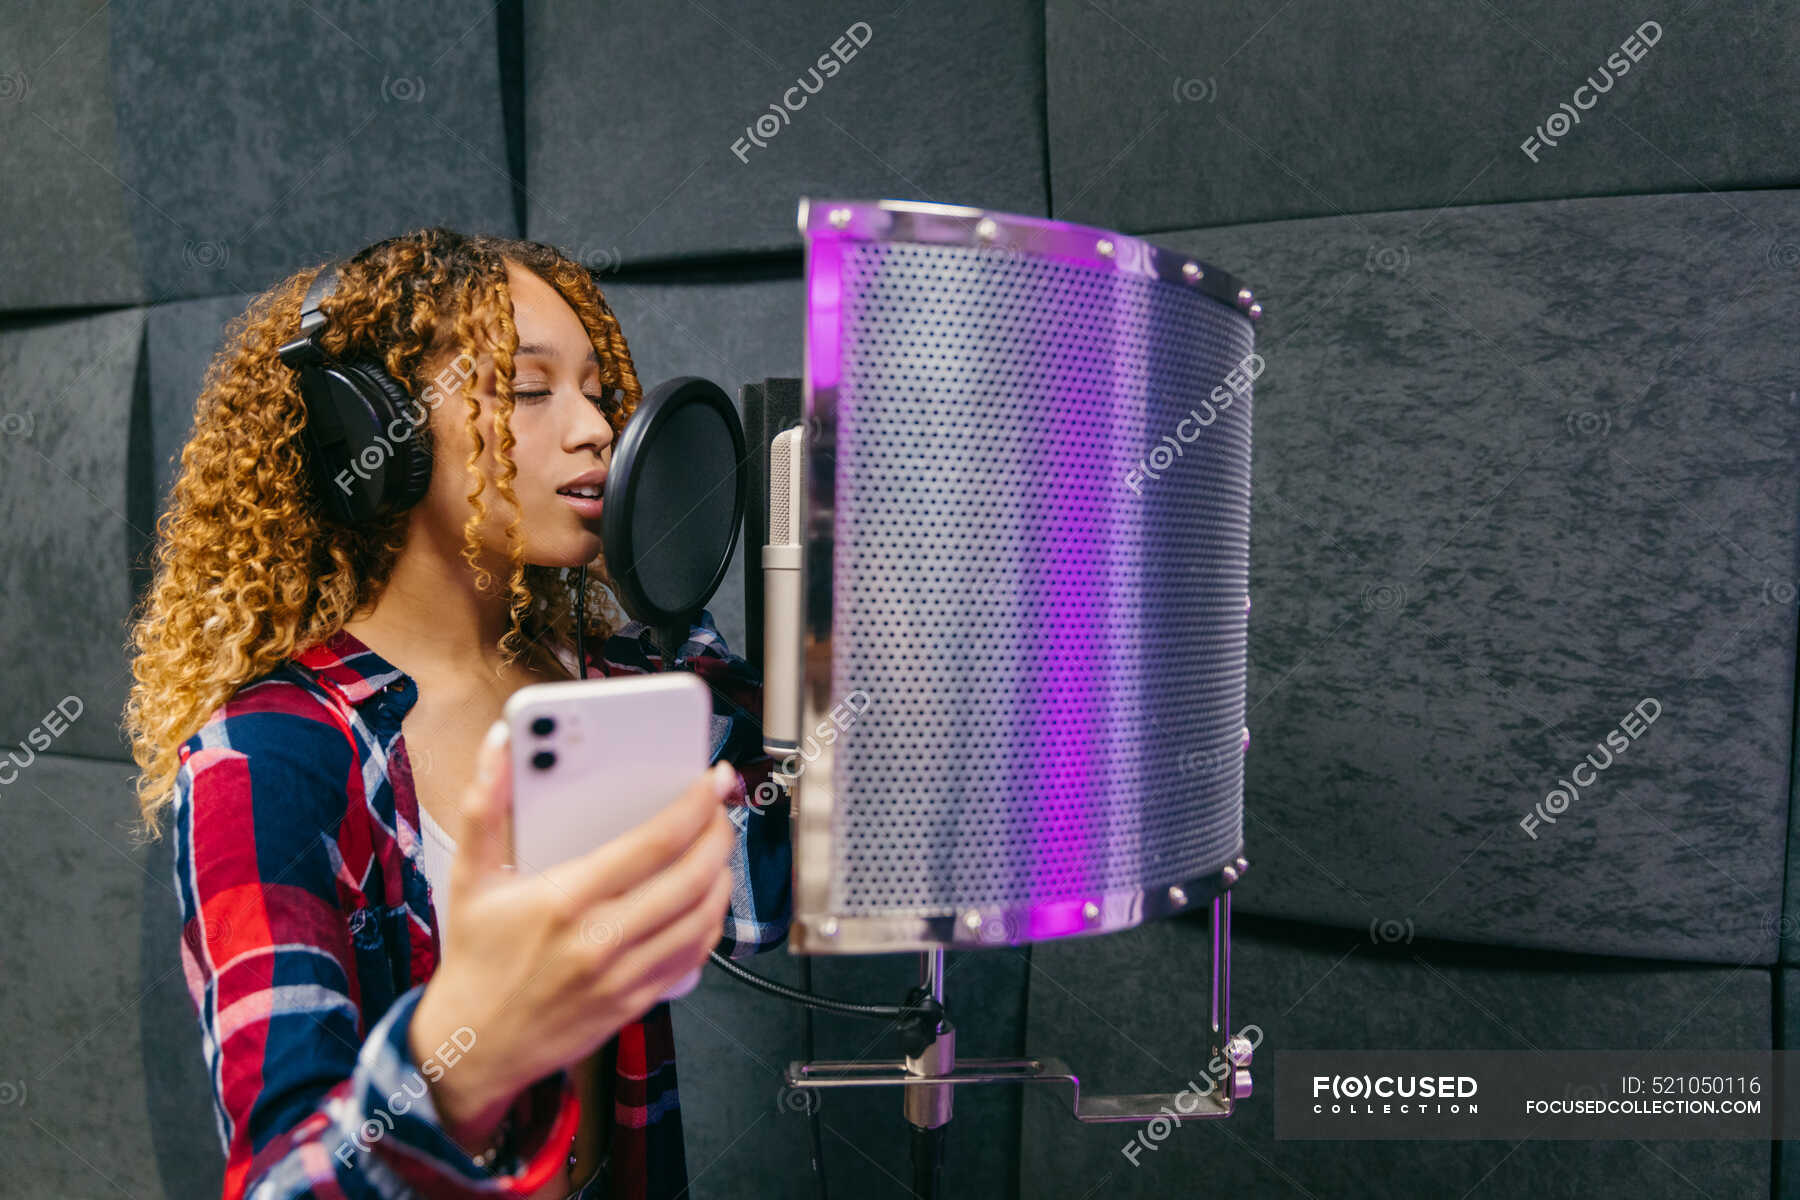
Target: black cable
843,1008
580,615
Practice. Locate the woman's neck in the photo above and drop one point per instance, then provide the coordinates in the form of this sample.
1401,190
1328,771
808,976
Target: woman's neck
430,618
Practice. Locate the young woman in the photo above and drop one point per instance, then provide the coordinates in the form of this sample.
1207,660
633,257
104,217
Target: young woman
387,1007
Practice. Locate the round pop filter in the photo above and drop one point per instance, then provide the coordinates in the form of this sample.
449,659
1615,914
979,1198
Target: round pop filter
674,503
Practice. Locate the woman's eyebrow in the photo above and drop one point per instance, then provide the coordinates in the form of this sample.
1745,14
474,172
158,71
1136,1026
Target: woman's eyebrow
543,351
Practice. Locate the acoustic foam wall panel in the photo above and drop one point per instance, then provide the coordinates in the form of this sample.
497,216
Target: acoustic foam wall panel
306,131
1122,1011
642,120
181,339
70,414
1519,467
63,225
73,1044
1168,115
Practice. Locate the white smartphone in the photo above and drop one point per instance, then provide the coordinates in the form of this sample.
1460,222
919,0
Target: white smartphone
591,758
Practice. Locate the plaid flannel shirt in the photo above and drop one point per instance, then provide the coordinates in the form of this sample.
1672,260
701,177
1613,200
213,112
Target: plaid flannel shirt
308,934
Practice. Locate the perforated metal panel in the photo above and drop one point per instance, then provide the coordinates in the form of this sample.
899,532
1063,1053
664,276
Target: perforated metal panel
1036,619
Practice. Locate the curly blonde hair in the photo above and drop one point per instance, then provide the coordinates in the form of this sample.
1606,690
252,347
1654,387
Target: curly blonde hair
247,569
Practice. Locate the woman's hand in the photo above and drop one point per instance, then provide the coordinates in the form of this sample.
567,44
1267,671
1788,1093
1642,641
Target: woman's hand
543,967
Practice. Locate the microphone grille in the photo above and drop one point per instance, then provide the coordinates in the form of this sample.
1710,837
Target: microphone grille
784,481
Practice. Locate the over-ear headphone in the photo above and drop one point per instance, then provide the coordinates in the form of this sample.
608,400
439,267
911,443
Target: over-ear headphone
365,455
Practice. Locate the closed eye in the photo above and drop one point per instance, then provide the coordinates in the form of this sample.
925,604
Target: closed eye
541,395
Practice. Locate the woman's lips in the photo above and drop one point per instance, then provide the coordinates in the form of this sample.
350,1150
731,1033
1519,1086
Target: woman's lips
589,509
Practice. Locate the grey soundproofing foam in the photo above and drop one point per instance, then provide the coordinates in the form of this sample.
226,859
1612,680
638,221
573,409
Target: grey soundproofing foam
1518,468
632,113
63,221
72,423
1167,115
302,133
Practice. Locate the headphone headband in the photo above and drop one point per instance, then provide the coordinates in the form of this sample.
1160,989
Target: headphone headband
364,454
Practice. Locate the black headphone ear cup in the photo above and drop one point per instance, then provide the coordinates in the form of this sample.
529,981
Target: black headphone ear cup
394,410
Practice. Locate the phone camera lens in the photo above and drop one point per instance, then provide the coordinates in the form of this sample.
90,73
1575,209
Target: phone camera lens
543,760
543,725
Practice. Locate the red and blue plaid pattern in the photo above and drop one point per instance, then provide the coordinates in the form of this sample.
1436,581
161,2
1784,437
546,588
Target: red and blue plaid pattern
308,934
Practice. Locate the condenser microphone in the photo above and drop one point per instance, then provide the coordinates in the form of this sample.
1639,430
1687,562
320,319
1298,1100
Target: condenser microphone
781,589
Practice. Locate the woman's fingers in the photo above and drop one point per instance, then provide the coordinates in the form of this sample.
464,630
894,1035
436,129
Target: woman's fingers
659,959
648,908
647,848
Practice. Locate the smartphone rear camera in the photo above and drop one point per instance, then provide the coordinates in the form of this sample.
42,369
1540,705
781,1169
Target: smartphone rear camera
543,726
543,760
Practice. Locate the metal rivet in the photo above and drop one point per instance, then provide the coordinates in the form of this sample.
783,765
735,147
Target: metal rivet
1105,247
985,229
1255,311
972,919
1192,272
1090,912
1244,296
839,218
829,928
1229,875
1177,897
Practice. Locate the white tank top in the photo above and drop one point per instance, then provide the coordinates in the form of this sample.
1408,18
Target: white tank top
436,852
437,848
